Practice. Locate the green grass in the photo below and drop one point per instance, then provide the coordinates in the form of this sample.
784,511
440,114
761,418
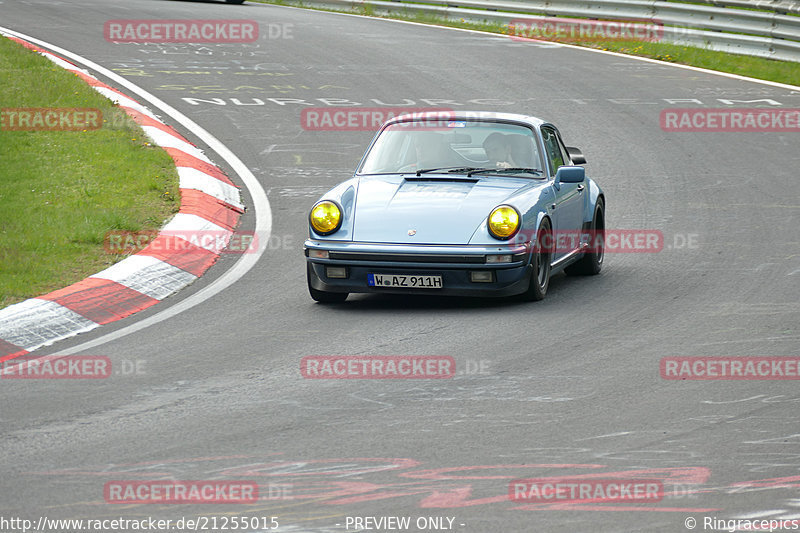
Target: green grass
61,191
754,67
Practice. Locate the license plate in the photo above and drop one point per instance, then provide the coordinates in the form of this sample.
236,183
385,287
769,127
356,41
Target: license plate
410,282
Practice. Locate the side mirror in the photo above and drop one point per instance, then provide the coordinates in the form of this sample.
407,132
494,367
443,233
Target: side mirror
576,155
569,175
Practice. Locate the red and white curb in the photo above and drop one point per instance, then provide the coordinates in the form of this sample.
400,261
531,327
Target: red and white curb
210,202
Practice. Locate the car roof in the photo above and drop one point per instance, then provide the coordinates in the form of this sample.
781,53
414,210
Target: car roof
450,114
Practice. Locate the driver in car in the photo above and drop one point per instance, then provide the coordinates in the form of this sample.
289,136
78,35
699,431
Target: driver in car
498,151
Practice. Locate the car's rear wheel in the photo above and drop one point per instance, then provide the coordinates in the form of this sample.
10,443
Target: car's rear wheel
540,260
592,262
324,297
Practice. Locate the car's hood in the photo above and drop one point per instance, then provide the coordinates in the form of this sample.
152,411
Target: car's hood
435,209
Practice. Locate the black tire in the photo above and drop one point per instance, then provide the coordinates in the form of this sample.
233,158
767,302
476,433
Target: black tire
323,297
235,1
592,263
540,259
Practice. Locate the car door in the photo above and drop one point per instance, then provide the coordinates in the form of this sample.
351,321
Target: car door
568,212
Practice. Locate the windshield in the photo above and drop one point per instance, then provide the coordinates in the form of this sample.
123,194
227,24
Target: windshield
453,146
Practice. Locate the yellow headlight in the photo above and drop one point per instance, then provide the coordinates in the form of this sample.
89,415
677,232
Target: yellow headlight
503,222
325,217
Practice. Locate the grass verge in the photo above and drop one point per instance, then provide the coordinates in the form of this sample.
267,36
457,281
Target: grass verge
754,67
61,191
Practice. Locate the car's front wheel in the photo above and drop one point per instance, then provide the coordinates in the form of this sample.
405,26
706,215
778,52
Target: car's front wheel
323,296
540,260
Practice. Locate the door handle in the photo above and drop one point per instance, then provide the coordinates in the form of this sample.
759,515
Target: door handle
580,188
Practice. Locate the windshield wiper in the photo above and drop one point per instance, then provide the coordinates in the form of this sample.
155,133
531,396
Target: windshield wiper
450,170
513,170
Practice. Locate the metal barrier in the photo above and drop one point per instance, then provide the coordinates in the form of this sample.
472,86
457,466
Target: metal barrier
763,28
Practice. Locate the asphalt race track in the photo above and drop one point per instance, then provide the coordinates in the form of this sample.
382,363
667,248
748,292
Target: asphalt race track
566,387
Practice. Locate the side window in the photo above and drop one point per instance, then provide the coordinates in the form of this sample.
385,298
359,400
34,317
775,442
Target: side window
567,160
555,157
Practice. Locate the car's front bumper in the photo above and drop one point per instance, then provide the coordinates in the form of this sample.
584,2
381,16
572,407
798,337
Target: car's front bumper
453,263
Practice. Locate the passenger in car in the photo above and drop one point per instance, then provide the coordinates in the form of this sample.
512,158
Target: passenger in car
432,150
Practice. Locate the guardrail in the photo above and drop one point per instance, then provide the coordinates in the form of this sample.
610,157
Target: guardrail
763,28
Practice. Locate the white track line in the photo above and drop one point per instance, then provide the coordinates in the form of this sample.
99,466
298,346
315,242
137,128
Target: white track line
259,196
261,206
557,44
